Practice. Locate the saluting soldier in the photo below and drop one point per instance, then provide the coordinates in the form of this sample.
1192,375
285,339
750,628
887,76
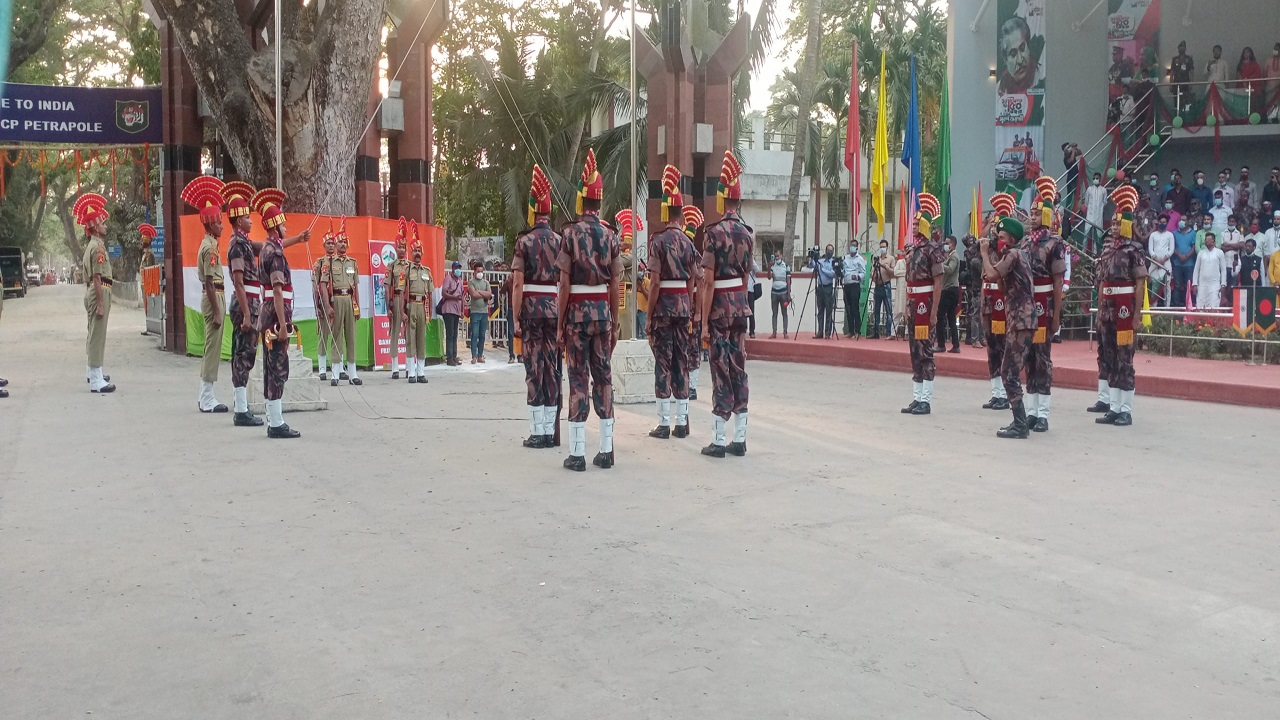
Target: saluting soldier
397,274
993,308
418,287
672,259
590,272
344,302
320,297
1047,254
242,259
1122,276
924,289
204,193
1011,268
275,321
91,214
726,308
534,280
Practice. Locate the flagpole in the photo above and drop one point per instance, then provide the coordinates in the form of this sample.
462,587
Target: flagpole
279,106
635,168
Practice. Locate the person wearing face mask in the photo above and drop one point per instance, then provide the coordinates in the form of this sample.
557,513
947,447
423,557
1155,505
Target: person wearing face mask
1254,198
1177,198
780,293
1007,266
479,293
1184,262
1270,245
1225,187
451,292
1204,227
1232,242
1095,202
825,273
1201,192
1153,193
855,269
1160,249
950,299
882,287
1220,211
1121,274
344,304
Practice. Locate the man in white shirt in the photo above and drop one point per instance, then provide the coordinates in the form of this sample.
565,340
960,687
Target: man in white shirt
1228,190
1255,194
1270,242
1232,242
1216,70
1160,248
1095,202
855,271
1220,213
1210,275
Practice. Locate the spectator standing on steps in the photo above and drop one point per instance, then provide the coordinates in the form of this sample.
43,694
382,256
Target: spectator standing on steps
1184,261
949,303
855,270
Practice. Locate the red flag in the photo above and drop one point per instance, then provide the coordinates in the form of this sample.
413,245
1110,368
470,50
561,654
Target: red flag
853,143
902,216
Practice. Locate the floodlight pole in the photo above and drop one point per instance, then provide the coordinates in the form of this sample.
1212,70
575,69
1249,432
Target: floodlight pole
279,105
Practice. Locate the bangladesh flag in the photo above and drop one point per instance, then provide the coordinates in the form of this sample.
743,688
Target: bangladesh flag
1254,309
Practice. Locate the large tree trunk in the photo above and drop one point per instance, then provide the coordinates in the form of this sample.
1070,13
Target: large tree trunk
593,61
328,59
808,76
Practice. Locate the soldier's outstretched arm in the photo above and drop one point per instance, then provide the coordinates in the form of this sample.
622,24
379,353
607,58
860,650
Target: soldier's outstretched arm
301,237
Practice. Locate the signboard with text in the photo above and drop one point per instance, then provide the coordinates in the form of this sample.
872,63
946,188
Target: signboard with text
381,254
80,115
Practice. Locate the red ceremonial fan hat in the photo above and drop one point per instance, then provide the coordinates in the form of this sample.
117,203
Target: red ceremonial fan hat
415,242
204,193
1047,189
1125,197
147,230
930,208
269,204
692,219
1003,204
402,230
671,197
591,185
89,207
730,188
540,193
628,223
238,195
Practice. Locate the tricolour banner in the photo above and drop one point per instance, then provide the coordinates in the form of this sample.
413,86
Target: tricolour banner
382,253
1020,95
360,231
80,115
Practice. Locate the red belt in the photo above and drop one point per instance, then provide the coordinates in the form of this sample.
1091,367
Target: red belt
588,297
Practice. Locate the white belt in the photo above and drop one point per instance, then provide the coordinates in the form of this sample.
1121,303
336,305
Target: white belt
284,294
253,290
990,286
1042,289
673,284
919,289
1117,290
588,289
540,288
727,284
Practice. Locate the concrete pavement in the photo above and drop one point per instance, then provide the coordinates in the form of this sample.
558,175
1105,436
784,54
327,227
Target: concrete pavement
159,563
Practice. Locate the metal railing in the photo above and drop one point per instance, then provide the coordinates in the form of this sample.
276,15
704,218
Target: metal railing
1221,317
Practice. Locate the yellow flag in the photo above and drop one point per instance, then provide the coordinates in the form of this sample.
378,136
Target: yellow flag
974,220
880,157
1146,306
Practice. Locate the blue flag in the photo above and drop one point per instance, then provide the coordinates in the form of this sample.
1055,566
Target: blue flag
911,141
6,20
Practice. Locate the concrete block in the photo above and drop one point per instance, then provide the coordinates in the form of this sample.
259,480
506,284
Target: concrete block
302,392
632,372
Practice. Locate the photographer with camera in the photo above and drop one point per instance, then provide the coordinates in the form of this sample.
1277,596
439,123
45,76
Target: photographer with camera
950,301
853,271
882,287
824,267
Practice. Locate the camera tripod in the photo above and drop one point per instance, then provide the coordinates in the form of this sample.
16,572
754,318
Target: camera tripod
830,332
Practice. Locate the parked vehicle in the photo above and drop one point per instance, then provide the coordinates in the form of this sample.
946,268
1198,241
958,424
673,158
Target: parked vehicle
12,276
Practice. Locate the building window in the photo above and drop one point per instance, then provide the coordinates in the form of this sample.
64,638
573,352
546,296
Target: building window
837,207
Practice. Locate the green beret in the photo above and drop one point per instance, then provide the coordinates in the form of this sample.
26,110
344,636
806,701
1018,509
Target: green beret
1011,226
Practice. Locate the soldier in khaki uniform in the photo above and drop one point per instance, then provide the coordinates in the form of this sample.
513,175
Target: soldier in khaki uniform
395,282
344,305
417,310
204,193
91,214
320,293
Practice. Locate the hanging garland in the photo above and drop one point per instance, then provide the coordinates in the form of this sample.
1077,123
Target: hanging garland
64,159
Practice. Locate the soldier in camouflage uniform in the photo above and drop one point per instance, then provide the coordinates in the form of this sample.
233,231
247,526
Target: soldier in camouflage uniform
726,308
1122,274
1047,254
204,193
416,307
670,310
319,296
924,289
590,266
534,280
1011,268
242,259
91,214
275,319
395,282
994,322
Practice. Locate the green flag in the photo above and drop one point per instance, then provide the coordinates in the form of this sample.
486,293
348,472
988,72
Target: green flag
942,184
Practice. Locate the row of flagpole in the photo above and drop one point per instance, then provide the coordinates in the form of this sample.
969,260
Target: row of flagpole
910,158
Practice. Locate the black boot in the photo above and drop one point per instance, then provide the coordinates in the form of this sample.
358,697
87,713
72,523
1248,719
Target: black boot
908,410
1018,428
395,375
576,463
334,381
737,448
412,379
342,375
1098,407
603,460
922,409
681,431
1108,419
283,431
713,450
4,393
535,442
1042,425
1123,419
662,432
548,441
693,394
247,419
324,376
996,403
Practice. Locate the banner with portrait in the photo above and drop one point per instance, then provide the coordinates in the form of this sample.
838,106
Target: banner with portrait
1133,31
1020,96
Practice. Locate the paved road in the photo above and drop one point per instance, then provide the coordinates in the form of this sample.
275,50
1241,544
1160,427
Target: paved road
156,563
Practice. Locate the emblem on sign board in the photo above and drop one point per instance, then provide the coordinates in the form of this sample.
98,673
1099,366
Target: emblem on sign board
132,116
